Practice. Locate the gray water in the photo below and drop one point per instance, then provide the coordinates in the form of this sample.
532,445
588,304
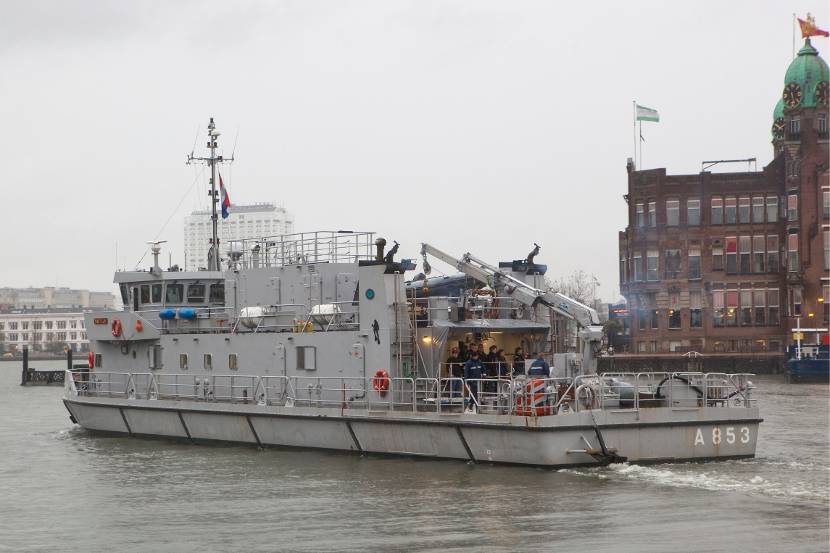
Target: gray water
64,490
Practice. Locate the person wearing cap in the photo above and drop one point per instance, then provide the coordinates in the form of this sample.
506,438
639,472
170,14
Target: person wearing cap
473,373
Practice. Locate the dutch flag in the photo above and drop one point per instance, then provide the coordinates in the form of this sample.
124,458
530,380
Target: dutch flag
226,200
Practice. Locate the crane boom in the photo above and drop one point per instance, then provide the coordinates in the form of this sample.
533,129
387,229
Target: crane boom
586,317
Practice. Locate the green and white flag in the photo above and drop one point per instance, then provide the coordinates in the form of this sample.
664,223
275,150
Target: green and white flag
647,114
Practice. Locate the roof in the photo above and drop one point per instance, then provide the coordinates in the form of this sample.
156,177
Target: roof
490,325
807,70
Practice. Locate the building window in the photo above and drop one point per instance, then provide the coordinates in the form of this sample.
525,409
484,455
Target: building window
732,255
717,211
746,307
795,302
792,253
822,125
718,307
758,253
12,336
731,317
757,209
638,266
49,325
731,211
694,262
24,325
772,253
772,209
13,325
772,307
695,309
37,325
825,194
795,128
73,324
792,207
672,264
61,325
743,209
672,212
655,319
642,315
826,234
759,302
623,275
653,264
652,214
674,311
693,212
745,250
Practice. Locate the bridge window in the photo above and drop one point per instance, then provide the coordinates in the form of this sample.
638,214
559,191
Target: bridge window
196,293
173,293
145,294
217,293
156,293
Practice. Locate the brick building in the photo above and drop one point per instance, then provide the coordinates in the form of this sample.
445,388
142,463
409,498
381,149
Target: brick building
731,262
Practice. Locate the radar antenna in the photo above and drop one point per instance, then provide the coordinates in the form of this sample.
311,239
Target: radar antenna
155,247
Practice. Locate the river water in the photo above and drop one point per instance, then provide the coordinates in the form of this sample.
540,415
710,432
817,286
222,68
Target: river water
64,490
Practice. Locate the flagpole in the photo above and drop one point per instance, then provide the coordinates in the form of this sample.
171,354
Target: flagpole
634,123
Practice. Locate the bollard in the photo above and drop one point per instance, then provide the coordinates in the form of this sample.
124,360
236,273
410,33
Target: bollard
24,375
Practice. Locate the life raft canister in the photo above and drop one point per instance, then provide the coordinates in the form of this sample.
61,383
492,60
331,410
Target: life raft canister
533,399
380,382
116,328
90,359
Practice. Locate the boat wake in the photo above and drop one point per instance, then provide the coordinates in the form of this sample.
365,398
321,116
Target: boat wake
752,477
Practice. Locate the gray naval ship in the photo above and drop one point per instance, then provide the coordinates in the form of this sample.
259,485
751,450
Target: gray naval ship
316,340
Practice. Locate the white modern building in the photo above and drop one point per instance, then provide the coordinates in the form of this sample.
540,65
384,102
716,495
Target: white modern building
50,297
42,330
244,221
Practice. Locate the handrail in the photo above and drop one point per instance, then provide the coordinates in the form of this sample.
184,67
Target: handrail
618,391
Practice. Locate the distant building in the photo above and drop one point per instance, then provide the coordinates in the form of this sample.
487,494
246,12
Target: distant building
732,262
619,333
43,330
244,221
54,298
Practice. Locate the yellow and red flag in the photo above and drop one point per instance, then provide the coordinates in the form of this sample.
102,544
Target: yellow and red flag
808,27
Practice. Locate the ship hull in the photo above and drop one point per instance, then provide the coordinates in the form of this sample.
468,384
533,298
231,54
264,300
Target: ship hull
577,439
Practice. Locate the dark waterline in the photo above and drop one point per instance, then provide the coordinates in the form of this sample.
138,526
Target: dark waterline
64,490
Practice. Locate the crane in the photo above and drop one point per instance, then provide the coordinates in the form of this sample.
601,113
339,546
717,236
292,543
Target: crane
590,329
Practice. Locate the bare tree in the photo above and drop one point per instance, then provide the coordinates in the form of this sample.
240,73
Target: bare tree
579,285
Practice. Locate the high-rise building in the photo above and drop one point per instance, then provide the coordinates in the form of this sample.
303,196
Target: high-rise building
244,221
732,262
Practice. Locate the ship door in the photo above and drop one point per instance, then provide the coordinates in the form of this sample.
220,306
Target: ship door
135,299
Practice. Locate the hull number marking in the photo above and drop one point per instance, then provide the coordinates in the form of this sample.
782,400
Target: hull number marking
730,435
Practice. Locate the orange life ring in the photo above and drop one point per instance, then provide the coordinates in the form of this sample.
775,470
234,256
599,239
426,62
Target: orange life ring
116,328
380,382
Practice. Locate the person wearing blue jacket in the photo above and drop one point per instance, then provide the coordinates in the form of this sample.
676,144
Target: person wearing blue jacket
473,370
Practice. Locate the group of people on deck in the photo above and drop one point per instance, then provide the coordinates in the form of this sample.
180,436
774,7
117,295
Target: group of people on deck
474,365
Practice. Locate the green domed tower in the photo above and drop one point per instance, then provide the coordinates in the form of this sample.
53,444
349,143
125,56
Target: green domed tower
806,81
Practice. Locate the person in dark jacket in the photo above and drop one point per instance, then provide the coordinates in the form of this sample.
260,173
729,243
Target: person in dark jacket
518,362
455,369
539,367
491,361
473,371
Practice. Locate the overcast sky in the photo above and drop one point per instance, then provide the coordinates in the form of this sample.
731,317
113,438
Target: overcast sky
474,125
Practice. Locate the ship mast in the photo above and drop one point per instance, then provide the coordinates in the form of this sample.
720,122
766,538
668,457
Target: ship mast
212,143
